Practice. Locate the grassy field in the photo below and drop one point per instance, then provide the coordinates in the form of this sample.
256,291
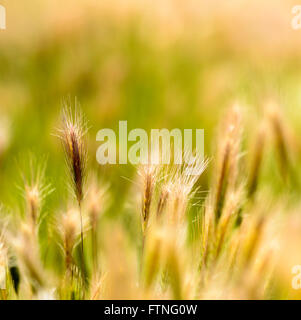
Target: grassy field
232,69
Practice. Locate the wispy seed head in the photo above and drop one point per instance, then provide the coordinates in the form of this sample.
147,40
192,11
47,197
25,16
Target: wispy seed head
72,133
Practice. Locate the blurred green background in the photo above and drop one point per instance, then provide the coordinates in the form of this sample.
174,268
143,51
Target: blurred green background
156,64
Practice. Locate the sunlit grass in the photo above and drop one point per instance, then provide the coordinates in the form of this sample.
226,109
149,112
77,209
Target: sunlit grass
148,232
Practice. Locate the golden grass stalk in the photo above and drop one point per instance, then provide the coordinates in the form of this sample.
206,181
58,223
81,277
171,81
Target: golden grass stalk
72,134
206,226
181,185
281,140
35,190
163,199
174,259
70,230
28,253
97,203
224,227
228,153
253,239
152,257
148,174
257,156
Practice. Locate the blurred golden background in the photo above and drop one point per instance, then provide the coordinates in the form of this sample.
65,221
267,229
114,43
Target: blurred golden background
157,64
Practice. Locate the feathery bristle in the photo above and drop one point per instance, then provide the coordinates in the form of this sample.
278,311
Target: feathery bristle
163,199
35,189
